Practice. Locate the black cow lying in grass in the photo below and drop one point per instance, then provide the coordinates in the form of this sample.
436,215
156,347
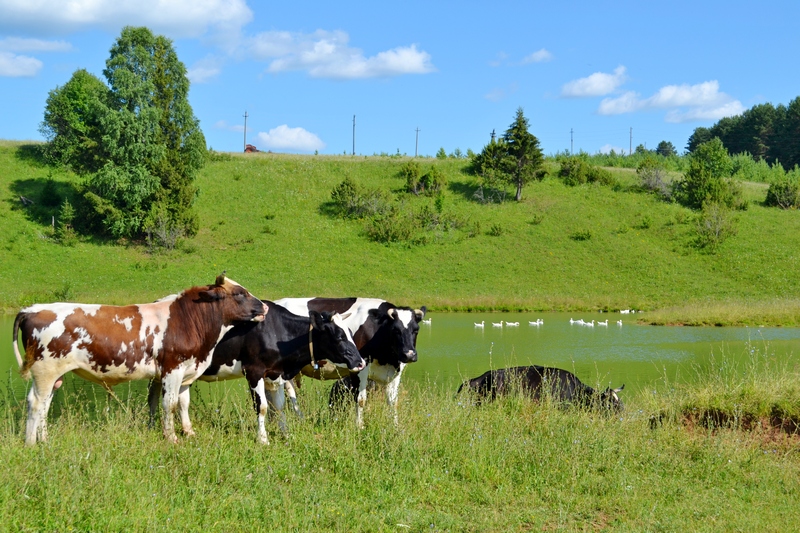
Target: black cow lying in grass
539,382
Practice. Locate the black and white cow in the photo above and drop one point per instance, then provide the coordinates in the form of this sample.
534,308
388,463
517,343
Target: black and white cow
536,382
274,351
386,337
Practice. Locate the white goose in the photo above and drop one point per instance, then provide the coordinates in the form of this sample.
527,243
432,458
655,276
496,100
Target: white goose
537,322
512,324
479,324
619,322
603,323
589,324
426,321
496,325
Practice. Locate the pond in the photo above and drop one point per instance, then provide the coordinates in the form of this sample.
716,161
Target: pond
451,348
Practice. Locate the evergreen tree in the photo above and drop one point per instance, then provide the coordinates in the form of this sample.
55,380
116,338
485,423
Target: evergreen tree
666,149
523,147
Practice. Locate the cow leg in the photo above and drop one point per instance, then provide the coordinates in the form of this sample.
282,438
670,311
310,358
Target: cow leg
392,392
290,392
261,405
361,395
39,398
183,401
154,391
172,390
277,402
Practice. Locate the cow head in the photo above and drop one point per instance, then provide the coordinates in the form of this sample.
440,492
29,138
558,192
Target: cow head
401,324
238,305
610,401
332,341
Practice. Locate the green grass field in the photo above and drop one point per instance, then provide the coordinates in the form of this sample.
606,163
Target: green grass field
262,220
700,457
512,465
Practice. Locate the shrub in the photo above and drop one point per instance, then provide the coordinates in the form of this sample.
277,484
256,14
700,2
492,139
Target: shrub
708,179
432,182
784,192
576,171
581,235
349,201
495,230
714,225
65,233
390,226
410,172
653,177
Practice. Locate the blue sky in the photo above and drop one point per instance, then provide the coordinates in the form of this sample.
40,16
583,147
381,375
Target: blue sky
608,72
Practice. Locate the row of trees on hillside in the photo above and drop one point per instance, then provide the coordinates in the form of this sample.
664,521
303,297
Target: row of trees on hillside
766,132
134,140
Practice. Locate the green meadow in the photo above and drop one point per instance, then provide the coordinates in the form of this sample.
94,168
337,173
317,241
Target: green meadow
263,218
669,462
719,454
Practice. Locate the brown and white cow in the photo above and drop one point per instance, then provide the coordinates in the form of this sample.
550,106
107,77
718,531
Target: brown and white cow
172,339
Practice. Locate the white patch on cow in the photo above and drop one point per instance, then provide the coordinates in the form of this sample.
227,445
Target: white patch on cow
342,324
155,319
127,322
226,372
297,306
405,316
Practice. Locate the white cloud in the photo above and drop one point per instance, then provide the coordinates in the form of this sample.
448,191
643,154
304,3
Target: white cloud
498,94
16,66
325,54
17,44
539,56
204,70
686,103
598,84
290,139
177,18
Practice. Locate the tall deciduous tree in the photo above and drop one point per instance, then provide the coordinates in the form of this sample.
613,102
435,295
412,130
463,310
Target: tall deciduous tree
147,143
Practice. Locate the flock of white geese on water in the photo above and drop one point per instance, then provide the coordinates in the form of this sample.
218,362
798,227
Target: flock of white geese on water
538,322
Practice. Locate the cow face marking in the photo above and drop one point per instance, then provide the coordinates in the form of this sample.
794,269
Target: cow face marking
404,324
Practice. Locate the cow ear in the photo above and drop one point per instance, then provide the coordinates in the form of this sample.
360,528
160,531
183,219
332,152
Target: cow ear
380,317
419,314
318,319
210,295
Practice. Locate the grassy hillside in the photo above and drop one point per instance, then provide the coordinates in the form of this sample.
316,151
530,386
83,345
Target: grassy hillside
262,219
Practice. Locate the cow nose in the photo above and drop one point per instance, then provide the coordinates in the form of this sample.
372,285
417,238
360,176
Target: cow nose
411,356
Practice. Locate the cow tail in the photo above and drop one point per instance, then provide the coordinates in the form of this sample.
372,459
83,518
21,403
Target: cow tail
15,335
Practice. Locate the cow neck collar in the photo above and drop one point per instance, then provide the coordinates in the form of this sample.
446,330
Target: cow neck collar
311,346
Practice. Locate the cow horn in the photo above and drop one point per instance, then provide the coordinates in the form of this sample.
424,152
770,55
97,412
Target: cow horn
221,279
419,313
391,312
619,389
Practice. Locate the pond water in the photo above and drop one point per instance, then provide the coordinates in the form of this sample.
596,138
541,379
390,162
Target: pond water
451,348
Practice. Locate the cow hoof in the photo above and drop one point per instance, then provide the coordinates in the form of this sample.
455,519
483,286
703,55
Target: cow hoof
189,432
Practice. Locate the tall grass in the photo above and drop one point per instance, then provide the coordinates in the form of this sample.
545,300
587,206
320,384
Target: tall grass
510,465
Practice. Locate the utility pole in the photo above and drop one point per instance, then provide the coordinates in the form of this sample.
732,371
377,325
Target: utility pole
354,135
416,144
245,130
630,146
570,142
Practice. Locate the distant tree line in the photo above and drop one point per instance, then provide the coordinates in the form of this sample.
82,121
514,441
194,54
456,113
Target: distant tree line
764,131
